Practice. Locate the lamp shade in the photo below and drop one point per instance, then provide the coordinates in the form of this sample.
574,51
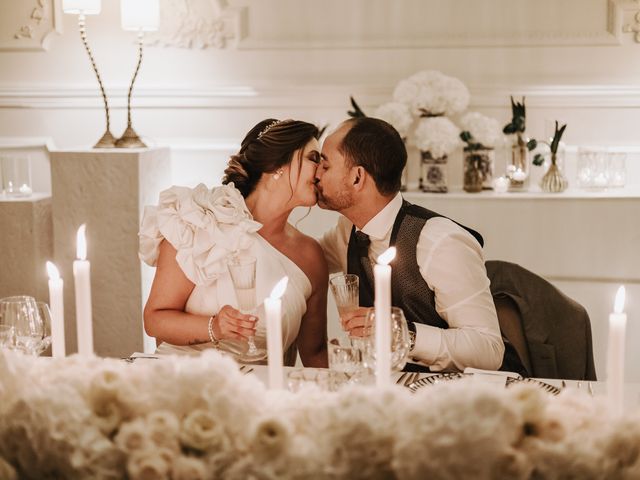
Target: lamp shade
140,14
86,7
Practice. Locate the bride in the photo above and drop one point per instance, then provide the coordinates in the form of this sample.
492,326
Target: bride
192,233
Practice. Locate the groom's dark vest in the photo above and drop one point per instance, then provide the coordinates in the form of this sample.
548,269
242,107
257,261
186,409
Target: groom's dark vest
409,290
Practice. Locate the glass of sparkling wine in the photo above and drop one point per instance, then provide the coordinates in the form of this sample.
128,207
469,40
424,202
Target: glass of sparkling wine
242,269
346,292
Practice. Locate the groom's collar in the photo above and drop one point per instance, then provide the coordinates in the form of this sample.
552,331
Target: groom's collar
379,226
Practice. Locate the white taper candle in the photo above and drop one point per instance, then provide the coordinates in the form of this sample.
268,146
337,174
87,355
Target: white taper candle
82,281
56,303
382,304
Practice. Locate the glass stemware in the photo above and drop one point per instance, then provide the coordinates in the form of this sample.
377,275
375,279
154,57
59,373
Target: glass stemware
400,343
242,269
346,292
21,312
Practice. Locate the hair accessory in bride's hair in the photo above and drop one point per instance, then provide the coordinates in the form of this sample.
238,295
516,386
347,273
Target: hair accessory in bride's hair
268,127
278,174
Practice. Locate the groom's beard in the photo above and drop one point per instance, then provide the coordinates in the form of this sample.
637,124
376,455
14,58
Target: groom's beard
341,201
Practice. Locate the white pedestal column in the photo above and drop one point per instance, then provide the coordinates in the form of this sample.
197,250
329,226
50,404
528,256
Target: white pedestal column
106,189
26,243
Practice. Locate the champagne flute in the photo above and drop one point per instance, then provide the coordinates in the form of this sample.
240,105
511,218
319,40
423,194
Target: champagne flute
346,292
242,269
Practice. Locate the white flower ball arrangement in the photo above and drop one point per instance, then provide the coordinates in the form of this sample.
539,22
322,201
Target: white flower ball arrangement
484,131
199,418
397,114
431,93
436,135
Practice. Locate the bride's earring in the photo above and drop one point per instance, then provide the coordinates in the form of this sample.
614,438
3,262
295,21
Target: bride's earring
278,174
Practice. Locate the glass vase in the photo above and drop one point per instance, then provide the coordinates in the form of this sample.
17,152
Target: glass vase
554,181
433,173
519,165
478,169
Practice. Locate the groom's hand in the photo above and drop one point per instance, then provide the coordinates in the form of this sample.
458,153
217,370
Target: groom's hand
354,322
233,324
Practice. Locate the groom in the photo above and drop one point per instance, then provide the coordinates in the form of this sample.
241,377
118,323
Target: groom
438,276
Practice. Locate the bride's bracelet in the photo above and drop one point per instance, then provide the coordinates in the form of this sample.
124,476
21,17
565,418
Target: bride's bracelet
212,337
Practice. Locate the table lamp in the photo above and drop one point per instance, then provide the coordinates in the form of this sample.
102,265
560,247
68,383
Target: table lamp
139,16
82,8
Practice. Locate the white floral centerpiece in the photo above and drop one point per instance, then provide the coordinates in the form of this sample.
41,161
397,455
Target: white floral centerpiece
396,114
436,138
432,93
200,418
481,135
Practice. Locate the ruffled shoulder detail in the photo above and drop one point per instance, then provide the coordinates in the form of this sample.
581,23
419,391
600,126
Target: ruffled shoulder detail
203,225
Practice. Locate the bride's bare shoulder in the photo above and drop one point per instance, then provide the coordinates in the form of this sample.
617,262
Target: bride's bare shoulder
308,255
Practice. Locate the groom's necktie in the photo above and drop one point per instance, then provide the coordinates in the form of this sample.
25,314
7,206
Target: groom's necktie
363,264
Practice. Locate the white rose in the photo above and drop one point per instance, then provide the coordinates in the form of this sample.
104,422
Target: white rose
108,413
7,472
148,465
397,114
271,437
163,429
132,436
200,430
188,468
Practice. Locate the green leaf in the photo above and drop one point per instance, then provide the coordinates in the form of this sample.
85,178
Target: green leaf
531,144
520,123
357,111
509,129
466,136
538,160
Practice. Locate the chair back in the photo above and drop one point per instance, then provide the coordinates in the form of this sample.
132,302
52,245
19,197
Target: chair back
556,329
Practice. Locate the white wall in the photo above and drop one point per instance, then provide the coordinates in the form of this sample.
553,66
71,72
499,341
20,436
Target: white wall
302,59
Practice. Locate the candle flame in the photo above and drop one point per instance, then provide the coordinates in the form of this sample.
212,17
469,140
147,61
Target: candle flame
52,271
619,303
81,242
279,289
388,255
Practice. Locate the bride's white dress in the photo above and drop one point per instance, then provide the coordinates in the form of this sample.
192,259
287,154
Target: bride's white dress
205,227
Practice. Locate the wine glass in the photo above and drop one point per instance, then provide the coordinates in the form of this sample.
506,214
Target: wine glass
400,343
7,337
346,292
21,312
45,317
242,269
345,363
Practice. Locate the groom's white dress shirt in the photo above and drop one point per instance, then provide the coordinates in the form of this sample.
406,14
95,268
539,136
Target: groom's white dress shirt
451,261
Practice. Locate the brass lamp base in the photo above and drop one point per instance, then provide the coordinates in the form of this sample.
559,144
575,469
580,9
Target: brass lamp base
130,139
107,141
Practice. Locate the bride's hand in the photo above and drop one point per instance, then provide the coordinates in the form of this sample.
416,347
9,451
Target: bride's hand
230,323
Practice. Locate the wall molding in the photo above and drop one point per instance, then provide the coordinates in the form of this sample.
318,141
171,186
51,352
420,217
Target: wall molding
364,24
310,96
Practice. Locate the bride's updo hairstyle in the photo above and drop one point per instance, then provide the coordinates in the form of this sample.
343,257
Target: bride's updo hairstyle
267,147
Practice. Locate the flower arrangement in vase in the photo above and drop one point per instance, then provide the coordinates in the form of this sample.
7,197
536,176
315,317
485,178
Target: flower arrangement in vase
518,167
432,97
481,134
553,181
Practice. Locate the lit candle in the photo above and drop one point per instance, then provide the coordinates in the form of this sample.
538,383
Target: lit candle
273,310
82,280
501,185
57,311
382,274
25,189
615,354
